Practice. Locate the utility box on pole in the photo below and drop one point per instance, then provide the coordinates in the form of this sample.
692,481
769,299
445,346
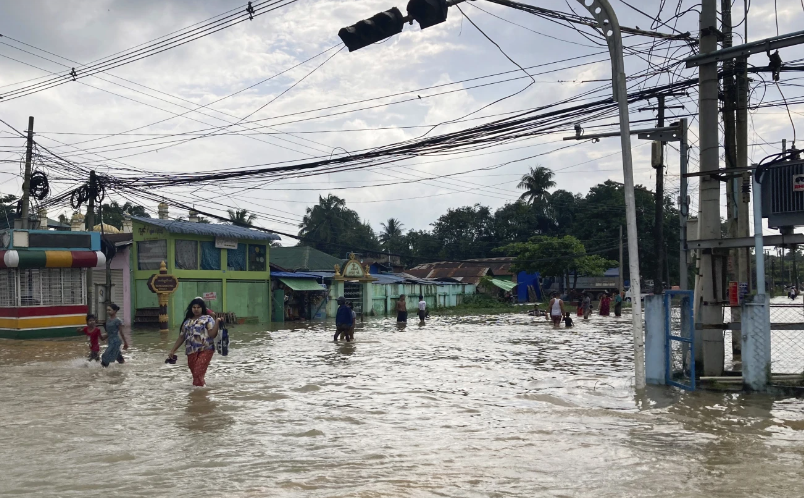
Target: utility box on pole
783,196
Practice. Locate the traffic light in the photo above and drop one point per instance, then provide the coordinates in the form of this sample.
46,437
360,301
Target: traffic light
378,27
428,12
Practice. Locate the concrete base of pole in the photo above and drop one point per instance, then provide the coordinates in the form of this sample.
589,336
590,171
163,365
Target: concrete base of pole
756,342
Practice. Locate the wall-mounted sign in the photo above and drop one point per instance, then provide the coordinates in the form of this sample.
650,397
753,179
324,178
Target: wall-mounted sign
798,183
224,243
210,296
353,270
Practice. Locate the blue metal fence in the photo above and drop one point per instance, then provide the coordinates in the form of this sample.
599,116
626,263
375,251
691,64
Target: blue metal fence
679,339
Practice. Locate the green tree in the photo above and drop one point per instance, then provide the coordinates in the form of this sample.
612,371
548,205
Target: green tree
8,210
465,232
536,183
601,213
556,256
241,217
113,213
391,232
333,228
514,222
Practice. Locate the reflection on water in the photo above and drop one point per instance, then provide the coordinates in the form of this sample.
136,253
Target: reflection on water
464,406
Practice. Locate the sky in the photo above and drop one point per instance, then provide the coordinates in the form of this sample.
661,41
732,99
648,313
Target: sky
311,110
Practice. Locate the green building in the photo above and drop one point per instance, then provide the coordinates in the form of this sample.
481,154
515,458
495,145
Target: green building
226,265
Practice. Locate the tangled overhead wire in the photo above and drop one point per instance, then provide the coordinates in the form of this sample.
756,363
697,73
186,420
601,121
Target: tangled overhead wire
94,190
39,187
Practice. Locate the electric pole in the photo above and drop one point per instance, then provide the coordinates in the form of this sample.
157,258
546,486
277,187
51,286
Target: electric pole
708,292
733,196
657,160
93,192
26,183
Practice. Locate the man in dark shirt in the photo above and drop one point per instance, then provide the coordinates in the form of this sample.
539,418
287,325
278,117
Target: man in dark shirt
343,320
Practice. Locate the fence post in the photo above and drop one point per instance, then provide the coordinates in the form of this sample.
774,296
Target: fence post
756,340
655,340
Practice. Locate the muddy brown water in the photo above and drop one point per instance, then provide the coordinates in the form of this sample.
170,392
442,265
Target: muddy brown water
500,405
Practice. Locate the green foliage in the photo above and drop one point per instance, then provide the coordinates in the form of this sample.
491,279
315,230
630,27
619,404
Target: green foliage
333,228
8,209
241,217
556,256
113,213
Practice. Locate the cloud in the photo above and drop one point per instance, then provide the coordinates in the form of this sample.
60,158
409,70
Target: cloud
220,64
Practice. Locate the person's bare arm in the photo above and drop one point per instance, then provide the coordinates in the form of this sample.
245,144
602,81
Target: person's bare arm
213,332
122,332
179,340
562,307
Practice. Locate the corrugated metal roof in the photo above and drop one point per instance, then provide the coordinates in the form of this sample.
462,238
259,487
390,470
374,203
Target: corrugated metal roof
208,229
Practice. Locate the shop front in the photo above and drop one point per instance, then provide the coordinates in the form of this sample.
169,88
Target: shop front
301,295
43,281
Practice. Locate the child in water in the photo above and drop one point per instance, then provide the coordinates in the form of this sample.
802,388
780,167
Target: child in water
117,337
95,336
567,320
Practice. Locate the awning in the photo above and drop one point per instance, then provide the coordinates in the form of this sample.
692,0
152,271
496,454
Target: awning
503,284
301,284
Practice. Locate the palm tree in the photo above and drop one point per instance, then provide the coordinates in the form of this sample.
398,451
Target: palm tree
242,217
536,185
391,232
324,223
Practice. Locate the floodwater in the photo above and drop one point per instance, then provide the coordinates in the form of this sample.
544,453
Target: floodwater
465,406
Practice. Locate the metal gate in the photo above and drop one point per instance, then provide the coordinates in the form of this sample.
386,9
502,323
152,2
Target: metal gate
354,292
679,339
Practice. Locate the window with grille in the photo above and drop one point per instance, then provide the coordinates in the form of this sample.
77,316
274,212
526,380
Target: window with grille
186,254
73,286
151,253
51,286
8,288
30,287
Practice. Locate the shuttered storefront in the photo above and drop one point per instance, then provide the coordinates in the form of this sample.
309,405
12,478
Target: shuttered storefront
99,280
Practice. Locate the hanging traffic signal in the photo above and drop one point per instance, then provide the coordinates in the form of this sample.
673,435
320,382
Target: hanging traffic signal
378,27
428,12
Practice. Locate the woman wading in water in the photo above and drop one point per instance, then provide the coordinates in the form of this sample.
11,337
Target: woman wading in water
198,332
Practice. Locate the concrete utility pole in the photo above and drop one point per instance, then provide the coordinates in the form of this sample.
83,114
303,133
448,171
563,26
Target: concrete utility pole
708,292
683,208
93,191
733,196
658,220
26,183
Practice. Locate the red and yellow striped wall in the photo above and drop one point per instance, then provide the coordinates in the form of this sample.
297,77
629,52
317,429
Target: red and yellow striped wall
52,259
35,318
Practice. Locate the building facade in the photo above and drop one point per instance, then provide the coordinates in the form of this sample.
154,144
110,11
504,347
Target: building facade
226,265
43,281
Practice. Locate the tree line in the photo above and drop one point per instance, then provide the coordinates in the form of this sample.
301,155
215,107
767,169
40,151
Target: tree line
477,231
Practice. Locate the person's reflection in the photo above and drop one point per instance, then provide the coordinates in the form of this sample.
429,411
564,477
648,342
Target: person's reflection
346,348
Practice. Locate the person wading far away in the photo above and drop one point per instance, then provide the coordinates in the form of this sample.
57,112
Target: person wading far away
556,308
401,310
422,310
343,320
